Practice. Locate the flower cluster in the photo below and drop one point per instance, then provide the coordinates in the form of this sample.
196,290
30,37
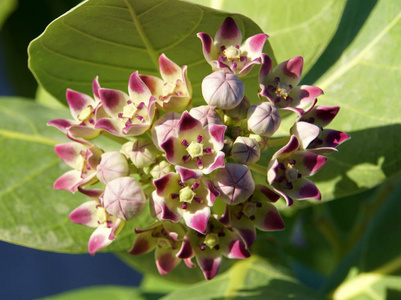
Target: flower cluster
191,166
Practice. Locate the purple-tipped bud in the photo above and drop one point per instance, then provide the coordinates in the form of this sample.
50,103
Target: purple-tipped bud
142,152
112,165
239,112
223,90
124,198
263,119
245,150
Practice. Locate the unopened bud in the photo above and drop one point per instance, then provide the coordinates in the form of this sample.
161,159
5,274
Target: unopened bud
112,165
263,119
245,150
223,90
124,198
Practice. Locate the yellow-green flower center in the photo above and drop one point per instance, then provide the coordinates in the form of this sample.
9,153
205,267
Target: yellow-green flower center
195,149
211,240
163,243
249,209
187,194
129,111
232,53
291,173
283,89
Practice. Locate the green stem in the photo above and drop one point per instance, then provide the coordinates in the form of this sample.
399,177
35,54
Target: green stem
117,139
278,141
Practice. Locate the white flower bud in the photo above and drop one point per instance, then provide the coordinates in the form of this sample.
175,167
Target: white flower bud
223,90
124,198
112,165
245,150
263,119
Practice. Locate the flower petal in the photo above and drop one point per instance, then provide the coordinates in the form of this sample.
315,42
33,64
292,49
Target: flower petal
305,132
290,71
308,163
304,189
207,43
268,218
165,260
78,102
265,69
113,101
144,243
196,216
85,214
169,70
228,34
69,181
61,124
99,239
209,263
137,89
253,45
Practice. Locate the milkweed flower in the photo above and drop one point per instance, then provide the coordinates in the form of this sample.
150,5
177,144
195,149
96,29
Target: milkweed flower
227,51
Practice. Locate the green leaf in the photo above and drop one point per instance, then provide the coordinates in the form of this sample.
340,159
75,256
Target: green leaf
6,8
106,293
364,82
113,38
32,214
252,278
296,28
372,270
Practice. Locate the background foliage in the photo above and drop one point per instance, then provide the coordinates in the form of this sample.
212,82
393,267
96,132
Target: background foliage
350,49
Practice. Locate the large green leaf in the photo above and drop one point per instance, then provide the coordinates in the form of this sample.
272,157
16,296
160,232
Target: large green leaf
296,27
32,214
252,278
6,7
365,83
373,269
113,38
105,293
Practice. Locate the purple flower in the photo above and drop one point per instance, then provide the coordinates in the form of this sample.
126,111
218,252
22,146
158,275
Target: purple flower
217,241
173,92
194,146
93,214
228,52
85,110
129,115
185,195
311,134
257,211
280,85
170,242
288,168
84,158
